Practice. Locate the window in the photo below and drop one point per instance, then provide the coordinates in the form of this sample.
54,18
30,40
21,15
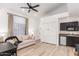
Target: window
19,25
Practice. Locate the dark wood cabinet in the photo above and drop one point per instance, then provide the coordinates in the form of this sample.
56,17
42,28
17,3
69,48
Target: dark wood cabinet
68,40
72,41
69,26
63,26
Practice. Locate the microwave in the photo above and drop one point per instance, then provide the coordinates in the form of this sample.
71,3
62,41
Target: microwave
69,26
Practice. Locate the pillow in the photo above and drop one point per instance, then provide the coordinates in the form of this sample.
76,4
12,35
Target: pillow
20,37
11,41
26,37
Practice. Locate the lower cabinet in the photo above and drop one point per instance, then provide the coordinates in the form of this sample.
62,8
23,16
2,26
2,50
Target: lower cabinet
68,41
71,41
63,40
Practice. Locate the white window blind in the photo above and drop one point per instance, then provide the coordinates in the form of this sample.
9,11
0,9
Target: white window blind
18,25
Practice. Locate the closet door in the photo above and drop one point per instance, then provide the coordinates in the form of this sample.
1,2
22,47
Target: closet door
49,30
43,32
52,32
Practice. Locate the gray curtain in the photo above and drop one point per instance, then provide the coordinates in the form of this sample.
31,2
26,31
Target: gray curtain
26,27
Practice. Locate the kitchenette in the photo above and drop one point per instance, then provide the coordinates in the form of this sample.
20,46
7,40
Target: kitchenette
69,33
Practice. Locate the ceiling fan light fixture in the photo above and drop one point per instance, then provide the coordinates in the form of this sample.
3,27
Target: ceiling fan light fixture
23,9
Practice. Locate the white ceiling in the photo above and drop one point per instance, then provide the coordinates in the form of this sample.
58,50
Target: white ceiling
73,9
44,8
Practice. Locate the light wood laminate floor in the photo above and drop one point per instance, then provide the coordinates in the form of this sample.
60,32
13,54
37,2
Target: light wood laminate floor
45,49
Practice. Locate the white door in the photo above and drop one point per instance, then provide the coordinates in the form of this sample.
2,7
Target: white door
49,31
63,40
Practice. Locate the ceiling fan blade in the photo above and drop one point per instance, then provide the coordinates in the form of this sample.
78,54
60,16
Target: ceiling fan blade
25,7
29,4
34,9
36,6
28,10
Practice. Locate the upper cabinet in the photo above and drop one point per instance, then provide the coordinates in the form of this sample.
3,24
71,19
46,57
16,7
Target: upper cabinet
69,26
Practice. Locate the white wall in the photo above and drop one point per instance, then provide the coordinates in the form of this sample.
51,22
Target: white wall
68,19
3,21
34,26
31,26
73,9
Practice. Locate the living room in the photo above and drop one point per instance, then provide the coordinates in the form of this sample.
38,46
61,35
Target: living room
38,30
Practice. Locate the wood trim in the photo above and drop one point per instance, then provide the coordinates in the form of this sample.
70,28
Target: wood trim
10,24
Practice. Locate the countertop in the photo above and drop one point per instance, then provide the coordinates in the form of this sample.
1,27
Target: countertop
73,34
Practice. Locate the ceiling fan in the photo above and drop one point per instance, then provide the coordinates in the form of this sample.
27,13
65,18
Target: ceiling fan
30,7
